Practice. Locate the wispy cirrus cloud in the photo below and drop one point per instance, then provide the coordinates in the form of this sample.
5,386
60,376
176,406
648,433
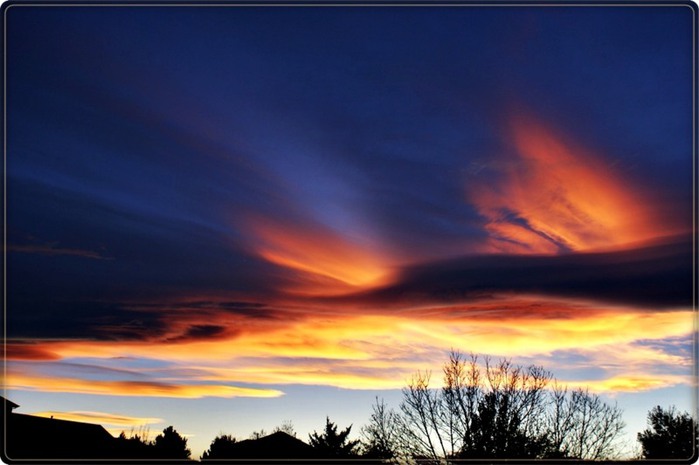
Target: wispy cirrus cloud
53,249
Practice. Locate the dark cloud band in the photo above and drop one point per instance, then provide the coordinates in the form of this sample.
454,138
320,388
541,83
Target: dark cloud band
657,276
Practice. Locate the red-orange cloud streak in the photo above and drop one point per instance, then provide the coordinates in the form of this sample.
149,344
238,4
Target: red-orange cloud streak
554,195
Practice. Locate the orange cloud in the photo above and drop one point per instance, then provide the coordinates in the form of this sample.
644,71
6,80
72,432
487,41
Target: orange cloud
373,350
554,195
327,262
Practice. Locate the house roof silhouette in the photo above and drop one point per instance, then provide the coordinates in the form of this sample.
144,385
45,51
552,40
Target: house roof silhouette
9,405
277,449
277,445
32,437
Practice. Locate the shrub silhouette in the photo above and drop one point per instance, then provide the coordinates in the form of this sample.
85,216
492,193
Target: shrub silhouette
222,447
670,435
133,447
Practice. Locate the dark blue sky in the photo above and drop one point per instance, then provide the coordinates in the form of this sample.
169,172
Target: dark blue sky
144,142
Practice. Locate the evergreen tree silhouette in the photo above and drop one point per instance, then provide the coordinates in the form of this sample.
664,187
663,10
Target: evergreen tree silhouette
170,445
331,444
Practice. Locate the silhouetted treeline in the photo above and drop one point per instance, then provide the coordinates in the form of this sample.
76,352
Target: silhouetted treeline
328,446
167,445
480,412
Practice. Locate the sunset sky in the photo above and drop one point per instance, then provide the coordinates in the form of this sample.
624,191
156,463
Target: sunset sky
222,218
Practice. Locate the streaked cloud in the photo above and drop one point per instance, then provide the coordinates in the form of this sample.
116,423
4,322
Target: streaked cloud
28,351
633,382
102,418
376,349
654,276
552,195
21,381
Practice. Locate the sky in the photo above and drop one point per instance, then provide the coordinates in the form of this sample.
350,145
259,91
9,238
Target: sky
223,218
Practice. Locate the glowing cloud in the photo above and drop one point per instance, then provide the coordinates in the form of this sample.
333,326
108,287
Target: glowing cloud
553,196
28,352
326,261
634,382
374,350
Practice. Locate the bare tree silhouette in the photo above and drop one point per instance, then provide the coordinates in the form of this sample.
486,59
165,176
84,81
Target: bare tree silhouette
285,427
500,411
380,436
581,425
